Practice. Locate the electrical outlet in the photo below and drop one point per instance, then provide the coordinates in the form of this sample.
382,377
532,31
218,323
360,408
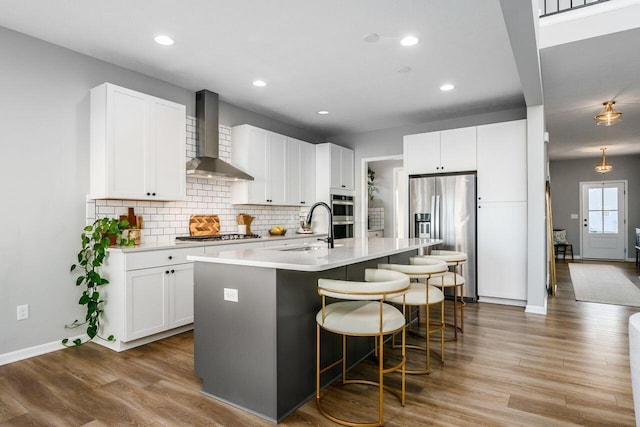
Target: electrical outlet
23,312
230,294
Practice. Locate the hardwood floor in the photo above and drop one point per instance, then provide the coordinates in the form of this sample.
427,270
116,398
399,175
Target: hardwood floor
570,367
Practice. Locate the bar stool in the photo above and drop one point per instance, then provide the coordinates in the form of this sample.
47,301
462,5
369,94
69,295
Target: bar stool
364,314
421,294
452,279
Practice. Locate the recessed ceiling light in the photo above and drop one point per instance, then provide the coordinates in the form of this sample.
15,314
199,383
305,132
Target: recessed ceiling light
163,40
447,87
404,69
409,41
259,83
323,112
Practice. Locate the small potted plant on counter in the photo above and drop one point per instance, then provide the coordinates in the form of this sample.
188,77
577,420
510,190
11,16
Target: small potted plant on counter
96,238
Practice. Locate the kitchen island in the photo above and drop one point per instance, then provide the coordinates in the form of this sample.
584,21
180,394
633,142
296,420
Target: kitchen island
254,320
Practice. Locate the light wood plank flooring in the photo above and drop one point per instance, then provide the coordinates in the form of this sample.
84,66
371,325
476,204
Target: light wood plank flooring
570,367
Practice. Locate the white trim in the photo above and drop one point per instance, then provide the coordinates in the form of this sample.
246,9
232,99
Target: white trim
501,301
38,350
536,309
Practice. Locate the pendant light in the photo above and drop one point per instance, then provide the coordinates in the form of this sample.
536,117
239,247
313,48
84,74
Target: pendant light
604,167
608,116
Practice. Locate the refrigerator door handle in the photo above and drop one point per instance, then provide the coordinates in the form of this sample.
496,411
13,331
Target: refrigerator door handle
437,217
432,231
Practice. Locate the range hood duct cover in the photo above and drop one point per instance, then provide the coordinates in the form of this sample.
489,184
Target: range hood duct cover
206,164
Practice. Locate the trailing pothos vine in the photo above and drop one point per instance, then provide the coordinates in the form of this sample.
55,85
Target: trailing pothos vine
96,238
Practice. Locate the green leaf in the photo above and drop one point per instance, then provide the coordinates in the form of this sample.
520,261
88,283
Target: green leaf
66,340
111,338
84,299
92,331
88,228
73,267
77,341
79,280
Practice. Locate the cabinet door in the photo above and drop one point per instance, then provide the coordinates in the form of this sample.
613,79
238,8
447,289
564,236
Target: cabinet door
166,175
502,250
422,153
126,142
346,168
256,161
335,161
308,174
294,172
502,161
276,168
458,150
145,305
181,295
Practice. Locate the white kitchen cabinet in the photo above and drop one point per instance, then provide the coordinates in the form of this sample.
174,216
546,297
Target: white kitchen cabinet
149,297
446,151
301,172
502,252
266,156
502,162
137,148
334,167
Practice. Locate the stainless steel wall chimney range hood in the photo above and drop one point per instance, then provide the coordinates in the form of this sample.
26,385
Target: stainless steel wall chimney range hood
206,164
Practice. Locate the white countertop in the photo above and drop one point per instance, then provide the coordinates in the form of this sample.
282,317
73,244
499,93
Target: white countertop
190,244
346,252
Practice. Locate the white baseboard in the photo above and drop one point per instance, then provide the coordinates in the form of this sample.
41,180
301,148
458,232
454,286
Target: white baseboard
502,301
37,350
536,309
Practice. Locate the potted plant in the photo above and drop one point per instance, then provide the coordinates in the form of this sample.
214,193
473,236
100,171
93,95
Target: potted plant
96,238
371,189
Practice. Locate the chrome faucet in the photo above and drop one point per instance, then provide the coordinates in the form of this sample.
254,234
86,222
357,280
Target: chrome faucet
329,238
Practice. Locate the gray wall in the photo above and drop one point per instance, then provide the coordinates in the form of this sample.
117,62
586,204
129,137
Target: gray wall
566,176
44,176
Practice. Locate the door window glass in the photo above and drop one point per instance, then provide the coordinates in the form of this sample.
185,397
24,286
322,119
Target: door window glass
603,210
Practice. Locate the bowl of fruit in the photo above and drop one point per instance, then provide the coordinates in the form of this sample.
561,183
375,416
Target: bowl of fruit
277,231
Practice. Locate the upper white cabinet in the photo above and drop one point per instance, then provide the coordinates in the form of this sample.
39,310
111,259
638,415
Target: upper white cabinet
334,166
301,178
452,150
277,165
137,146
502,162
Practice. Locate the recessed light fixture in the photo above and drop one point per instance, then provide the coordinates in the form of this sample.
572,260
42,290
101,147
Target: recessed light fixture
404,69
259,83
164,40
447,87
371,38
409,41
323,112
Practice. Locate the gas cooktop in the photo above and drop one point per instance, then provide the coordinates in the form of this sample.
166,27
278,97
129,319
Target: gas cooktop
218,237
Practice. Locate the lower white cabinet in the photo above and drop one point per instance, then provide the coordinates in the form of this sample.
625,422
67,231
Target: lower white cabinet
158,299
502,252
375,233
149,297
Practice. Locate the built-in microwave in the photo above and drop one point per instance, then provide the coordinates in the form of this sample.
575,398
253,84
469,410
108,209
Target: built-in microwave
342,210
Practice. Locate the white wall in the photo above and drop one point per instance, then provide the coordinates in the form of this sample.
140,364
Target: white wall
383,197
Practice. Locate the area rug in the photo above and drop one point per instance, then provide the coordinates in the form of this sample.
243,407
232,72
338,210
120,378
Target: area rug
604,284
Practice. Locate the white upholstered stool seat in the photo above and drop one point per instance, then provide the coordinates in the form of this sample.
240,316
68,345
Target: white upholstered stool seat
363,313
421,294
453,279
447,280
360,318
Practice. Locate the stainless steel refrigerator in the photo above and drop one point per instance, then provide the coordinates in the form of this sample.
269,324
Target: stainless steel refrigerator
444,207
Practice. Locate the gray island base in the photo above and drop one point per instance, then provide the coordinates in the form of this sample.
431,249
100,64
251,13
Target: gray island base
258,353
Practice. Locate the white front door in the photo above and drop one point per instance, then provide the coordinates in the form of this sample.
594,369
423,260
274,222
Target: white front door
603,220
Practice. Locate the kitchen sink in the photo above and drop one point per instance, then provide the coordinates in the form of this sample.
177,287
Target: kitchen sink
304,248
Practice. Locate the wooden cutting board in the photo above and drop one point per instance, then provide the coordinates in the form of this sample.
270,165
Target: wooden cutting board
204,225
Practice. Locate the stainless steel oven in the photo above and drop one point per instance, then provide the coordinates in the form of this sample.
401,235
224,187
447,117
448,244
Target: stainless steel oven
342,209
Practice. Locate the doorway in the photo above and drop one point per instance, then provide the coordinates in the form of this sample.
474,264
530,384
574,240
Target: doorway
603,206
382,214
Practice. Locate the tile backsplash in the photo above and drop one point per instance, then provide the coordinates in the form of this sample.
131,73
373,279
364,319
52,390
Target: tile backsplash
376,218
163,221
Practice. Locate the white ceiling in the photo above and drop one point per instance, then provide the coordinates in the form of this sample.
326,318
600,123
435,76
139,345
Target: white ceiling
313,57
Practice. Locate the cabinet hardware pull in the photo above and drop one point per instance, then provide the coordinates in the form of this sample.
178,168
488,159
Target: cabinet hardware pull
148,194
170,257
173,271
166,272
